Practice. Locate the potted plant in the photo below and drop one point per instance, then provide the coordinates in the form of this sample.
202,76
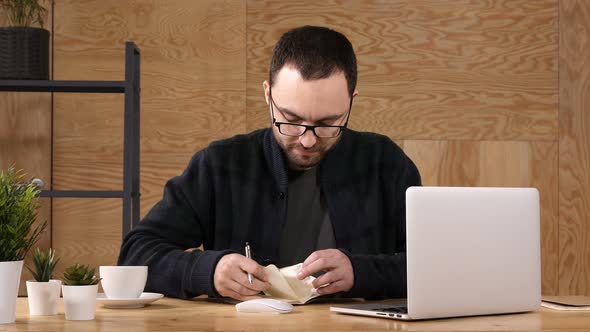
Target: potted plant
18,212
80,287
43,292
25,49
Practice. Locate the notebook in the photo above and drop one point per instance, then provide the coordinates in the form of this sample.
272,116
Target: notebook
286,287
470,251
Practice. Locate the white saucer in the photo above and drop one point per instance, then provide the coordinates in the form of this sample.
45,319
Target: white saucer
140,302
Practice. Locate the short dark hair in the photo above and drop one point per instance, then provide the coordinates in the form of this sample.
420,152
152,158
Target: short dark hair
316,52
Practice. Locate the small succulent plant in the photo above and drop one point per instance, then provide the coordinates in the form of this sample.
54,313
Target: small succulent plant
80,275
44,264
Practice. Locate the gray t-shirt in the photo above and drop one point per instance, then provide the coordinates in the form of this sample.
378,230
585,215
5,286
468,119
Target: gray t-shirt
308,227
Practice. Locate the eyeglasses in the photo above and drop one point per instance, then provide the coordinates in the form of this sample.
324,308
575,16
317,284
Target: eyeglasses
296,130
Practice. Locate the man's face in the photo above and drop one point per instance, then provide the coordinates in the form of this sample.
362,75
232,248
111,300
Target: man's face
316,102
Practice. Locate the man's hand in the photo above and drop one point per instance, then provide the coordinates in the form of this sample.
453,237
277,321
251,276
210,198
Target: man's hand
339,274
231,278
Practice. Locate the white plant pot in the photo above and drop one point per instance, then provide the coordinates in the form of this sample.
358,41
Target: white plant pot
80,301
9,283
43,297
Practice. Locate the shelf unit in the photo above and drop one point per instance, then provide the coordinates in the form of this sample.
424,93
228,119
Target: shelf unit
131,88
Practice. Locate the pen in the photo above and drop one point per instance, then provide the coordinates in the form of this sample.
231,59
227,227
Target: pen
248,255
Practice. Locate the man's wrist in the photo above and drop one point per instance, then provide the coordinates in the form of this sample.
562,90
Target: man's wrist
204,270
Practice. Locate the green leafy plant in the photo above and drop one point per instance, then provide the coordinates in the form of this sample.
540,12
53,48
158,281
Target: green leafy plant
80,275
18,212
45,263
23,13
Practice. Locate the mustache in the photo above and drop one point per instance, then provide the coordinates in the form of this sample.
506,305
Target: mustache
293,146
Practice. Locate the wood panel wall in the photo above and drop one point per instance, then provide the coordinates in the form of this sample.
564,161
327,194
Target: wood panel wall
25,143
193,92
574,147
477,92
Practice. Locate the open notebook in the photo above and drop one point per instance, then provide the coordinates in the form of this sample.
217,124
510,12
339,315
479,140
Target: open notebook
286,287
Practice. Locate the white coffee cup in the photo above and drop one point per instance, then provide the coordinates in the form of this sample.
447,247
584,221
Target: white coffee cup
123,282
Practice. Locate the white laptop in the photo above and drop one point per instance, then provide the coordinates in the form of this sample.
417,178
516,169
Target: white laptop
470,251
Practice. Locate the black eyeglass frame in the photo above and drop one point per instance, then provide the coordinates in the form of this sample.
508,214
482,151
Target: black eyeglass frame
312,128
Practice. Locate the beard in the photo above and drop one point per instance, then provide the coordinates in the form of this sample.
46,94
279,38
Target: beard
300,158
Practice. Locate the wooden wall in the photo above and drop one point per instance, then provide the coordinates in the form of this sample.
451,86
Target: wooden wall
25,143
478,93
193,92
574,147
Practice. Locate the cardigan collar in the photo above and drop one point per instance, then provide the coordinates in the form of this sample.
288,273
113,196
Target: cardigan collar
328,167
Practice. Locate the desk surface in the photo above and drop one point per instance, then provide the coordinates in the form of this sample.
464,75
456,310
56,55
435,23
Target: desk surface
201,315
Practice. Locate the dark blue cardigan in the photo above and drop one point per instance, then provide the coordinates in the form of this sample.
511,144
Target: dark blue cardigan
235,191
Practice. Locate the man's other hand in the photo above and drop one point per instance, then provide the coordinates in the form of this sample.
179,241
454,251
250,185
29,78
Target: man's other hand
231,278
338,276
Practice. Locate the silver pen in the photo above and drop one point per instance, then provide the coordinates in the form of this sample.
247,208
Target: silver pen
248,255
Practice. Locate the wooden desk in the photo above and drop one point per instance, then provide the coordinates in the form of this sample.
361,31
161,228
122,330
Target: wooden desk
200,315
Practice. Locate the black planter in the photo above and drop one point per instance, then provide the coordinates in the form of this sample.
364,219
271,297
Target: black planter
24,53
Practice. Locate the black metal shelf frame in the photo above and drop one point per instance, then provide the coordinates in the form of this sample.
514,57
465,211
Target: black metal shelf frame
131,88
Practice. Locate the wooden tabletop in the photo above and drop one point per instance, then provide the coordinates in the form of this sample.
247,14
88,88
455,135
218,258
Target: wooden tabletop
202,315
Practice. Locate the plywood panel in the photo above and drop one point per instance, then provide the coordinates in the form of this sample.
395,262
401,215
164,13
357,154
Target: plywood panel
25,133
473,70
502,164
193,92
87,231
574,148
88,148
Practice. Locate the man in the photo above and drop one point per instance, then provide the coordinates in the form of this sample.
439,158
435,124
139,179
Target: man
307,190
